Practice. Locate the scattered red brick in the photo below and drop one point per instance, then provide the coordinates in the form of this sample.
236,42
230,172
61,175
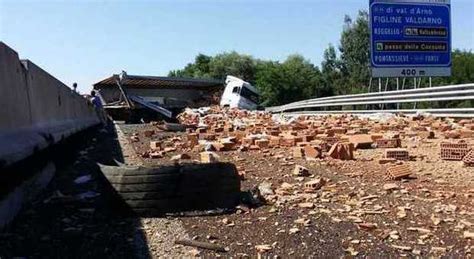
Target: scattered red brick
361,140
300,171
155,145
262,143
398,172
156,154
314,185
181,157
388,143
453,151
397,153
209,157
469,158
298,152
343,151
312,152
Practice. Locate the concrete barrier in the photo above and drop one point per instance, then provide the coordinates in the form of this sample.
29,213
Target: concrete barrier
27,191
37,109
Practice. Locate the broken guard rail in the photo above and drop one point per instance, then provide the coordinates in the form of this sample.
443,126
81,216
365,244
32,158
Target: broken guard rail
461,92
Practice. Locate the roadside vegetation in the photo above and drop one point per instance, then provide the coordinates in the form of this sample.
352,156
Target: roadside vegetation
344,69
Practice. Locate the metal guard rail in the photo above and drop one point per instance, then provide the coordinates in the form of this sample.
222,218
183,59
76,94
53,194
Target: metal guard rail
442,93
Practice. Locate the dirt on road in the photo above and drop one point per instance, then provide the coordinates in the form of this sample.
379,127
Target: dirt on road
338,207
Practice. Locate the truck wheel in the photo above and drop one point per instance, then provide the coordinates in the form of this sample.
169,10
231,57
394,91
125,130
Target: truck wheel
177,188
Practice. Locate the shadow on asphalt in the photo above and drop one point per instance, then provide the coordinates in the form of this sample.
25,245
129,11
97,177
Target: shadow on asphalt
71,220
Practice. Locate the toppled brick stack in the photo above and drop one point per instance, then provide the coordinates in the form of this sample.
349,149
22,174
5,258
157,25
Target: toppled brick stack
398,172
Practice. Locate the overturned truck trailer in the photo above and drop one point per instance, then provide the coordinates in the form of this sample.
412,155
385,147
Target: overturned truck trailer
135,98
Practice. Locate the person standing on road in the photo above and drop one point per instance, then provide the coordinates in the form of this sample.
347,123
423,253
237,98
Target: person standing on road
99,108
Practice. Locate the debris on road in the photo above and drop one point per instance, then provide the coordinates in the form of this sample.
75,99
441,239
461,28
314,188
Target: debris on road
329,174
204,245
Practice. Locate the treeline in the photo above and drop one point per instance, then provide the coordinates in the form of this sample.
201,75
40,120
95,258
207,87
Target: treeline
342,71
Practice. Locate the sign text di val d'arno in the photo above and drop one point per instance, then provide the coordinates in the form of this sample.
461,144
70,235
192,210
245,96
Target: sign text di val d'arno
410,38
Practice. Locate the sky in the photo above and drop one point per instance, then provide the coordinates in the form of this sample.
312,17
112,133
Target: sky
85,41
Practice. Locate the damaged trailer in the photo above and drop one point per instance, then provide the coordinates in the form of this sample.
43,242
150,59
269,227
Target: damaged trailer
144,98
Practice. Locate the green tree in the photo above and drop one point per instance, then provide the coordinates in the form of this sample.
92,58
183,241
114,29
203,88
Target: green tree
344,70
232,63
355,55
331,72
198,69
292,80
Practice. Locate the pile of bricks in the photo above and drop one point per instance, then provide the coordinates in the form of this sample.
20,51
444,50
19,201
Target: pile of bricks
308,137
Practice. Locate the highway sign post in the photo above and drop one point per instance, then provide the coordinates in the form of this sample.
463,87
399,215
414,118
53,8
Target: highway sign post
410,38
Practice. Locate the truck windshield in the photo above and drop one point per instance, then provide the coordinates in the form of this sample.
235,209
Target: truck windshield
246,93
236,90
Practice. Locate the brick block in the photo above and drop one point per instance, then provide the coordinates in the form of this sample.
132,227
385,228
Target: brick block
228,145
273,132
218,146
302,144
307,138
397,153
444,127
343,151
288,141
274,141
248,141
314,185
387,160
453,134
339,130
330,140
466,133
193,139
298,152
469,158
329,132
388,143
461,145
262,143
453,151
254,147
312,152
300,171
208,136
426,134
361,140
201,130
208,157
148,133
376,136
155,145
398,172
218,129
156,154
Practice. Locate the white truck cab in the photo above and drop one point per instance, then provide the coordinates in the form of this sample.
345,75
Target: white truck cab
239,94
